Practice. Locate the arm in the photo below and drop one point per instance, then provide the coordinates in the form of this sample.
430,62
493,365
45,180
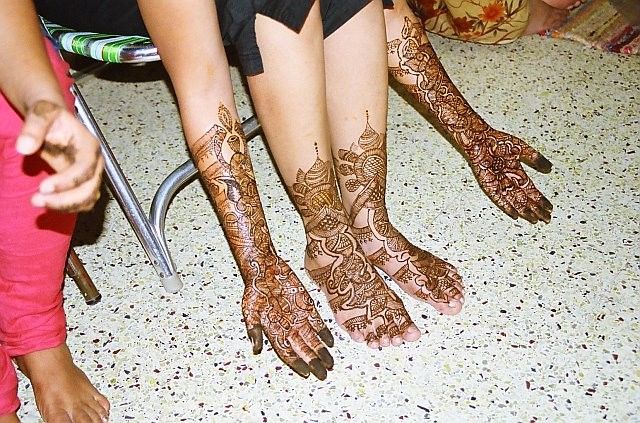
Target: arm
274,301
28,82
494,156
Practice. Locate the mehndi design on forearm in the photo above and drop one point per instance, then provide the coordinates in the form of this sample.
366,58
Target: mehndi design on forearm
358,297
419,273
274,300
494,156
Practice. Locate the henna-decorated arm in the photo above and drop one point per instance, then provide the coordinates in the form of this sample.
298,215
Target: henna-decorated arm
274,302
494,156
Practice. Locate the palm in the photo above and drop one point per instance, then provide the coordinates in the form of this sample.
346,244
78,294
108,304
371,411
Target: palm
496,164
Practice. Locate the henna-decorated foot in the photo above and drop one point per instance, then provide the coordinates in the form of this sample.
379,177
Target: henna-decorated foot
363,305
275,303
363,170
62,391
419,273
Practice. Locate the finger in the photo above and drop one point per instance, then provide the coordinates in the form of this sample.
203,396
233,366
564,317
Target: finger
529,216
300,367
535,160
546,204
255,336
305,352
76,200
37,123
325,357
542,214
76,175
326,337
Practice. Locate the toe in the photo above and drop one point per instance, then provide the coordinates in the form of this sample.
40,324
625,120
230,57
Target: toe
411,333
385,341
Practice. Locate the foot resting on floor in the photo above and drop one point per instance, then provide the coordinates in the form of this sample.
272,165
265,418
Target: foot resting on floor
62,391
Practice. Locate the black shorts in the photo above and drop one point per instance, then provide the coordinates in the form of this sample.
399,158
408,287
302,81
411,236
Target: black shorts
237,19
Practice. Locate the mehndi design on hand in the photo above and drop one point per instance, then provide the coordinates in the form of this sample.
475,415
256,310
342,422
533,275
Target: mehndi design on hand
360,300
494,156
274,300
418,272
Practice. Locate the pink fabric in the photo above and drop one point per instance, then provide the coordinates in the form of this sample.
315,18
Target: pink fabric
33,247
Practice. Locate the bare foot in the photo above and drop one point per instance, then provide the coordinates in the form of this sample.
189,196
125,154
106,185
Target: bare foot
63,392
419,273
362,303
9,418
544,17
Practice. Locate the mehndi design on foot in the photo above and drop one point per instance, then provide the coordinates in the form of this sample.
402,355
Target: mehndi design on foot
360,300
418,272
274,300
495,157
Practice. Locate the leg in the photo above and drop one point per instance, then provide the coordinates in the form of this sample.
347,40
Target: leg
9,401
494,156
358,118
33,248
274,300
291,103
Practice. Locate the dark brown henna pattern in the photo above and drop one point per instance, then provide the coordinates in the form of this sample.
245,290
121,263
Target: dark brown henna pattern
362,303
417,272
494,156
274,300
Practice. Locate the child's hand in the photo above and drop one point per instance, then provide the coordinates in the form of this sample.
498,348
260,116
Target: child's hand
51,131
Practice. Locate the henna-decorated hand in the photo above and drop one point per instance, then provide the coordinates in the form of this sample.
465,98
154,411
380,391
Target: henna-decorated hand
495,161
276,303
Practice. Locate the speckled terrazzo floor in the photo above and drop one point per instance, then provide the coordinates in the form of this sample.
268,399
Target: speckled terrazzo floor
550,330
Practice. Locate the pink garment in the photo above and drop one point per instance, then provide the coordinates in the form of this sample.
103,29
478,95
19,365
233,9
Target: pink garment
33,248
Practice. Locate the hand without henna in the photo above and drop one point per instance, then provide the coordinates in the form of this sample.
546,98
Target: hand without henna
275,303
496,164
51,131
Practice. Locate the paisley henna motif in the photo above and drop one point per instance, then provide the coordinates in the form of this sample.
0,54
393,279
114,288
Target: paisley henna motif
494,156
419,273
358,297
274,300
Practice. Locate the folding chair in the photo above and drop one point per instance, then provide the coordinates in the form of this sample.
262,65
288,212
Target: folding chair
149,229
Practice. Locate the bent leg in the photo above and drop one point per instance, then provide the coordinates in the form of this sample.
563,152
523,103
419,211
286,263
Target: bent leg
291,103
33,247
358,118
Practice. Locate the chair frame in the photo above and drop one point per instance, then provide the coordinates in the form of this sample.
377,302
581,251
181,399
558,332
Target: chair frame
150,229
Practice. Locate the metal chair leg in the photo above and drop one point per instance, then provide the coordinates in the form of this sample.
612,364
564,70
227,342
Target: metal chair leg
150,240
75,269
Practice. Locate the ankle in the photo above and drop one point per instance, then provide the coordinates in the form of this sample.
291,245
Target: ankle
39,365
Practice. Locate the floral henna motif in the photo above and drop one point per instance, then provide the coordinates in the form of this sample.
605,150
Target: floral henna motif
419,273
358,297
274,300
494,156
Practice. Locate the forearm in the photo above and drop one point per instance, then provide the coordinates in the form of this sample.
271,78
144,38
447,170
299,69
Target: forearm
26,75
414,64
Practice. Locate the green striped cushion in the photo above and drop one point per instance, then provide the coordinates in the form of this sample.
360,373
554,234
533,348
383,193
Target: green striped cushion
104,47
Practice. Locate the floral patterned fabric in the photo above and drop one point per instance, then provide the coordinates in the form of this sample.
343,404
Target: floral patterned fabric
480,21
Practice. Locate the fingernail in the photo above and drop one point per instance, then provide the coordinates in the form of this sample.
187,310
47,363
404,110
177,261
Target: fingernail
301,368
24,144
327,337
318,369
326,358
